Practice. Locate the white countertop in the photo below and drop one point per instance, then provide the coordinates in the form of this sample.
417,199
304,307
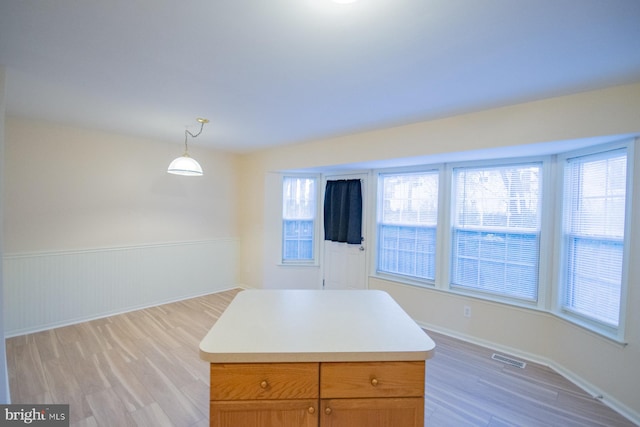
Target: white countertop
314,326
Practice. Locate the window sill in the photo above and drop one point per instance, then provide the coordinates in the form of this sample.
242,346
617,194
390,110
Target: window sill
298,264
405,280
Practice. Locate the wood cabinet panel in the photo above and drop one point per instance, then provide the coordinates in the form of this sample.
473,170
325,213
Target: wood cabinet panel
344,394
372,379
247,381
383,412
264,413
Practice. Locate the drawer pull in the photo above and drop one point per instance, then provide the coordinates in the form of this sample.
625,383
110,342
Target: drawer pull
374,382
264,384
311,410
327,410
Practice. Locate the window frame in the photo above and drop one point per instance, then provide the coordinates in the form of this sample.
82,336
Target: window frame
543,232
560,272
399,277
314,260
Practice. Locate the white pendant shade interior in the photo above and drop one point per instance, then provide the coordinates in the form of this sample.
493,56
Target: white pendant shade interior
185,164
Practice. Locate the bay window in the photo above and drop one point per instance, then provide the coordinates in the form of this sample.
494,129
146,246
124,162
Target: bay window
486,238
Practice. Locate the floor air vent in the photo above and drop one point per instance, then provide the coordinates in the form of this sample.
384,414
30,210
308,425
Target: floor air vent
508,360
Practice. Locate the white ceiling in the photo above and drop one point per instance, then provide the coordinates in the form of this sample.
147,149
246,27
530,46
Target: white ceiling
268,72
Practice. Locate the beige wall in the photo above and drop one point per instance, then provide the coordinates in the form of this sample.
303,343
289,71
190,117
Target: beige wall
69,188
94,225
591,114
599,364
584,115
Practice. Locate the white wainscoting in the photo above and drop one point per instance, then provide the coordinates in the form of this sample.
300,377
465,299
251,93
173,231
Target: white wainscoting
47,290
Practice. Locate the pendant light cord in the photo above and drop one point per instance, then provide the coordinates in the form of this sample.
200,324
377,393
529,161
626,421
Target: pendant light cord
186,133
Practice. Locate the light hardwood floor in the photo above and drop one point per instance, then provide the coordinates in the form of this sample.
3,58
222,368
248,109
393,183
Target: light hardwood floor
142,369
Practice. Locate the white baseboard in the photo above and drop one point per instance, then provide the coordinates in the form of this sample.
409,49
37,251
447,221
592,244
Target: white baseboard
589,388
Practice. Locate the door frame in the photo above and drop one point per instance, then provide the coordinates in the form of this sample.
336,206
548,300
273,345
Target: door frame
365,179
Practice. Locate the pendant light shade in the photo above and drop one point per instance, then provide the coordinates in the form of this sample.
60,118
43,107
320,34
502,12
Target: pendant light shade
185,164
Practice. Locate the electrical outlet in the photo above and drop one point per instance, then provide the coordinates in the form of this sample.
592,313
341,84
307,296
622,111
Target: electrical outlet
467,311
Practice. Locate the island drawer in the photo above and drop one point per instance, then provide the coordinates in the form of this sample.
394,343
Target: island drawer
243,381
372,379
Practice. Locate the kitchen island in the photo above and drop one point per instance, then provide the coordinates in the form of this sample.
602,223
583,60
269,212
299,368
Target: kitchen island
316,358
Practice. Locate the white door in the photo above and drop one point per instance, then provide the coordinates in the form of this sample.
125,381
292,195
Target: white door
345,265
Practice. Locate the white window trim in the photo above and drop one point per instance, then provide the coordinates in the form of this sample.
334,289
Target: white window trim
401,278
613,333
550,264
543,266
315,261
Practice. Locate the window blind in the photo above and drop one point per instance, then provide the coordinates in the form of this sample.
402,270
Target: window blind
408,215
298,218
593,227
496,229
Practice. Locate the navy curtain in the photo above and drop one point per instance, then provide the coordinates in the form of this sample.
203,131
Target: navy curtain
343,211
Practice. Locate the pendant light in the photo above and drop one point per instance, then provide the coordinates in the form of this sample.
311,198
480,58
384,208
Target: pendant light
185,164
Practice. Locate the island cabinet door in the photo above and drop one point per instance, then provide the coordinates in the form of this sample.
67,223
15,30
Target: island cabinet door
385,412
264,413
